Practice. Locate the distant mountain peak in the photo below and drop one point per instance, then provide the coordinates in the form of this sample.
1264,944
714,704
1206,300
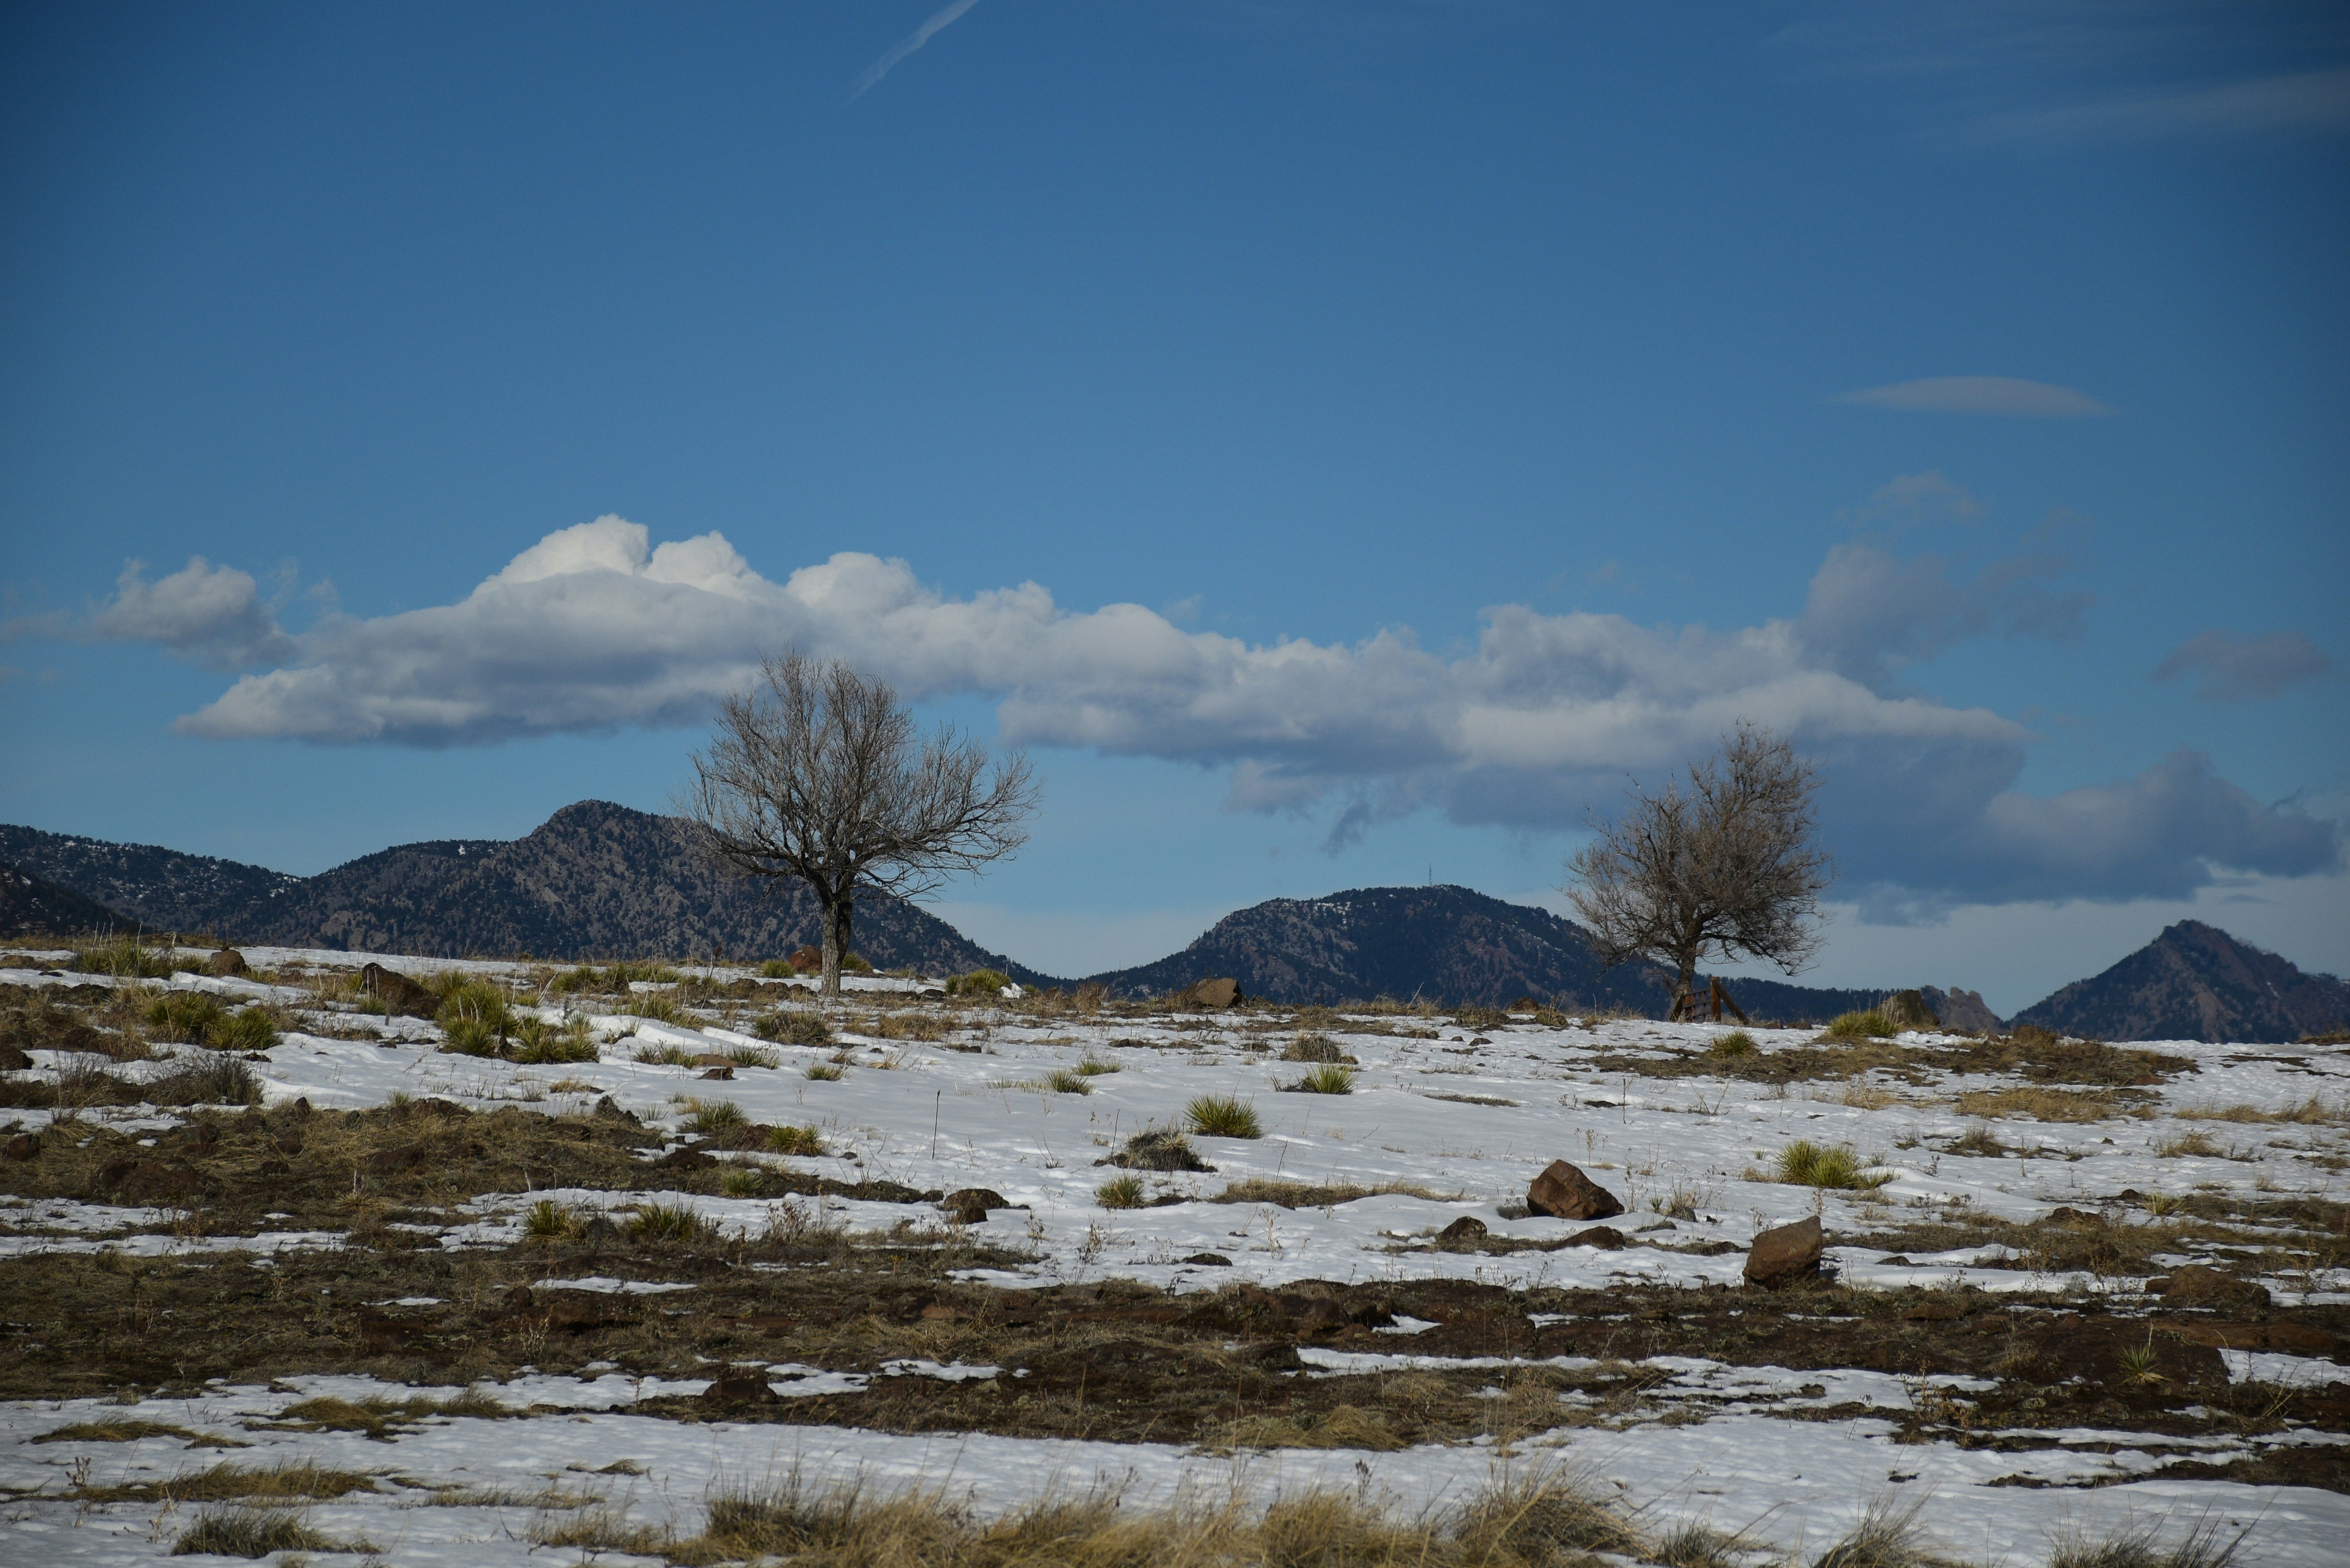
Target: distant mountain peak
2196,982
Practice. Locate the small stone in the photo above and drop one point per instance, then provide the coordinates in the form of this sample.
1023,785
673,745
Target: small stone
1210,1260
1786,1253
1468,1227
969,1205
1604,1237
23,1145
1564,1191
721,1073
2070,1216
519,1299
13,1061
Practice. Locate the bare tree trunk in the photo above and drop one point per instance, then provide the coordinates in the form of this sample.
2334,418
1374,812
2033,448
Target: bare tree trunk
836,920
1685,988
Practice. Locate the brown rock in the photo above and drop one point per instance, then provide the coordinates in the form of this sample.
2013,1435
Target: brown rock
2067,1216
1604,1237
1468,1227
1933,1312
1210,1260
717,1073
684,1159
23,1145
1786,1253
519,1299
13,1061
969,1205
739,1389
396,991
1216,993
227,961
1564,1191
2302,1338
2195,1282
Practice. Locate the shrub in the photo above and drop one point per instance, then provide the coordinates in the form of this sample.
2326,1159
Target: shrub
2137,1543
538,1041
1222,1116
1094,1068
778,969
853,963
742,1181
796,1140
1330,1078
1158,1149
581,978
1120,1192
1871,1025
253,1029
212,1081
1067,1081
979,982
1806,1164
1737,1042
794,1029
1312,1048
470,1037
825,1072
547,1220
752,1057
668,1223
711,1117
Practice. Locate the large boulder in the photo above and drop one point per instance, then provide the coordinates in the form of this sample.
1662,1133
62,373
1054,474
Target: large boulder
398,992
1785,1254
1211,993
1564,1191
227,963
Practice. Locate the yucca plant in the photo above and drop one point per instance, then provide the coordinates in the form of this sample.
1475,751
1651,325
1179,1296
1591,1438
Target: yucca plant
668,1223
185,1015
547,1220
742,1181
1329,1078
825,1072
1806,1164
475,1016
1067,1081
538,1041
1222,1116
711,1118
1094,1068
252,1029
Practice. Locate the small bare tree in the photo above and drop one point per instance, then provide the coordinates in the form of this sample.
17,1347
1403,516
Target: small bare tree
1727,867
816,772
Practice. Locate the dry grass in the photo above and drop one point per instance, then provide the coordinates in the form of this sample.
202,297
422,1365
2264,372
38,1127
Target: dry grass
2311,1112
2038,1104
927,1027
282,1482
1540,1521
249,1530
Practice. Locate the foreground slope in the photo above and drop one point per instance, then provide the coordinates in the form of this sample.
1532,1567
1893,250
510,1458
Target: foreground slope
2195,982
472,1308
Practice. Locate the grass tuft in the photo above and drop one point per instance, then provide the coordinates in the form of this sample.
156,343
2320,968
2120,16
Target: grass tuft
1120,1192
794,1028
251,1530
796,1140
711,1117
671,1223
1730,1046
1870,1025
539,1043
825,1072
547,1220
1329,1078
2139,1545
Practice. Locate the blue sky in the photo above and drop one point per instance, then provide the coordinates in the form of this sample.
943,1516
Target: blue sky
1469,405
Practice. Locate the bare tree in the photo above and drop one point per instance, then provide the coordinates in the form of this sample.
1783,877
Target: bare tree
816,772
1727,867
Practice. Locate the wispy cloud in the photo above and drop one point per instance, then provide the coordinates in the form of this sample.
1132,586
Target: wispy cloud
939,20
2297,101
593,626
2004,396
2244,668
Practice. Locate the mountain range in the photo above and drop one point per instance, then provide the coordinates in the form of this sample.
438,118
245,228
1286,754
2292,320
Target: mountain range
598,880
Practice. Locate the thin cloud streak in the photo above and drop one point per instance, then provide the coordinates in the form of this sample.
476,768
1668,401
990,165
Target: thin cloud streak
2003,397
939,20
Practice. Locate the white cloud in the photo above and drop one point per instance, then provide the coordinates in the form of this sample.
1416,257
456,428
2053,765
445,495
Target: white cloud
212,615
592,629
2242,669
2284,102
2005,396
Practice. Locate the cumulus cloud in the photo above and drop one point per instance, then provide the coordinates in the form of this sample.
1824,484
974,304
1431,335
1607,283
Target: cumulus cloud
593,628
2003,396
2241,669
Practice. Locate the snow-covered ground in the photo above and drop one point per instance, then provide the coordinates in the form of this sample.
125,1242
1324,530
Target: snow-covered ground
1465,1118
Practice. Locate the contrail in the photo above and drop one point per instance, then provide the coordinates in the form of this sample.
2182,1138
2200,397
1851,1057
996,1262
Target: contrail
904,46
